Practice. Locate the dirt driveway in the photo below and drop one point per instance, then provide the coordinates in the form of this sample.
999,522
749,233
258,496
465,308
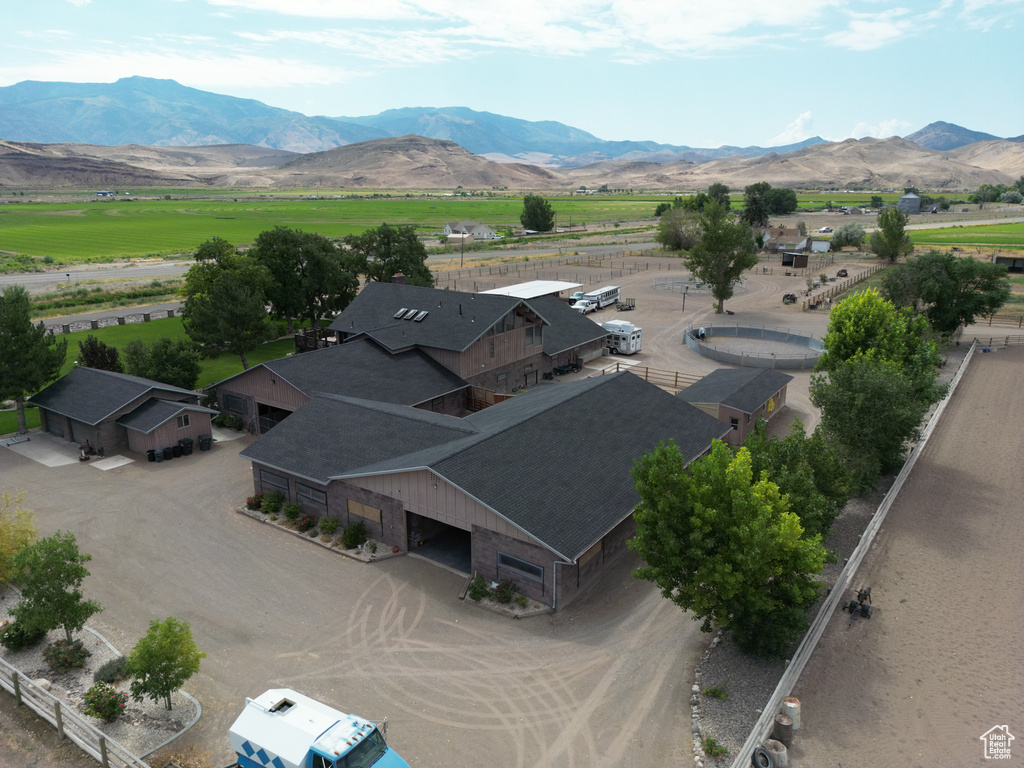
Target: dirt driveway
604,683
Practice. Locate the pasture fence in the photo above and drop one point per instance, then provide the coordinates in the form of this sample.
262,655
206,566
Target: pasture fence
749,359
825,296
994,342
1006,318
673,381
69,724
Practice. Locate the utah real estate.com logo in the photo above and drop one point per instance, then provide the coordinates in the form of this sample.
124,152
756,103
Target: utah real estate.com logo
997,742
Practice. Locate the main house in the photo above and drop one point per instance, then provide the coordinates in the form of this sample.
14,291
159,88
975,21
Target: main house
535,488
499,343
470,230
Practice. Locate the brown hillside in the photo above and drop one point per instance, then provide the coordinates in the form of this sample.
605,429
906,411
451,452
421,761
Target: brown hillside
1003,155
55,165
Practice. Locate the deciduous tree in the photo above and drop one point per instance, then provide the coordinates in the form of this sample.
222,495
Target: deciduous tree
93,353
756,209
724,545
174,362
678,230
851,233
163,660
537,214
725,250
50,573
382,253
720,194
890,241
30,356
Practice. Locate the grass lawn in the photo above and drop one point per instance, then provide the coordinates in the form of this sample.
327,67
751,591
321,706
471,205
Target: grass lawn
9,420
1003,236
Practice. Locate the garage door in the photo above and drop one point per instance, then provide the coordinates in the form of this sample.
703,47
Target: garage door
55,424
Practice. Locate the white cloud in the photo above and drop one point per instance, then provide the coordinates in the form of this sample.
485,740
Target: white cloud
79,3
867,32
883,130
798,130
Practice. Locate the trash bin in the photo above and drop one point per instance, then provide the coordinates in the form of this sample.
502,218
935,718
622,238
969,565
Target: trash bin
186,446
151,454
205,442
168,454
158,455
176,449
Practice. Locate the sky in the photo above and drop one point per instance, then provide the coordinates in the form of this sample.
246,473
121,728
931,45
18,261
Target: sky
699,73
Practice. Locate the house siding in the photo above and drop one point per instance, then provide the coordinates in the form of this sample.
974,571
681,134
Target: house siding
486,546
575,579
168,434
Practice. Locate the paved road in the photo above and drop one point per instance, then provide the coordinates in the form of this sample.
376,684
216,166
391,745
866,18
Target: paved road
44,282
604,683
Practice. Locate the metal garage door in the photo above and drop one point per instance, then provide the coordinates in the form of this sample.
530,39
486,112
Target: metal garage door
55,424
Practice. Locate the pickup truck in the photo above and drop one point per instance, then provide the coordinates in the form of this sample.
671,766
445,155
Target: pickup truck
576,297
585,305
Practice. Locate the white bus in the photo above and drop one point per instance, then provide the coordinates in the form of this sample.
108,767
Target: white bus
623,338
604,296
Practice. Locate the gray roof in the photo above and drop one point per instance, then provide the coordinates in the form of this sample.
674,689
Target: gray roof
360,367
90,395
454,320
568,329
555,462
155,412
745,389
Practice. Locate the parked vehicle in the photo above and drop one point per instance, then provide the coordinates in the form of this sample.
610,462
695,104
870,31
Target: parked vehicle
623,338
284,729
577,296
604,297
627,305
842,273
585,305
572,367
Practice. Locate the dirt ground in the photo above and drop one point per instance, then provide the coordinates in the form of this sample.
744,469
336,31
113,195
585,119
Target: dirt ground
939,662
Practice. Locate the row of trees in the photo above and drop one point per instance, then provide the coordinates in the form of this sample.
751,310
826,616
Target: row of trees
171,361
49,573
297,275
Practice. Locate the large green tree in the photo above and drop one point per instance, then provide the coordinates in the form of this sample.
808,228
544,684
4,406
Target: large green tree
890,240
93,353
30,356
725,250
850,233
537,214
781,201
171,361
383,252
950,291
809,470
225,301
310,277
720,194
724,545
163,660
678,229
756,205
50,573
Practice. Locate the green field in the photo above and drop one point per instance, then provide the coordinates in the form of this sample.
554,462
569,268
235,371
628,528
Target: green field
1003,236
9,420
70,233
213,369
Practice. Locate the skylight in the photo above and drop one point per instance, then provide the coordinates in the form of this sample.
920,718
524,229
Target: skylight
400,312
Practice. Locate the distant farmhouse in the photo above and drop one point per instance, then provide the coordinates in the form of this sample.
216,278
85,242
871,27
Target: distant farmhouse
470,230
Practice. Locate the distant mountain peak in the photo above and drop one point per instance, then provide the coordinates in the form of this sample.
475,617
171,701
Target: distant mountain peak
944,136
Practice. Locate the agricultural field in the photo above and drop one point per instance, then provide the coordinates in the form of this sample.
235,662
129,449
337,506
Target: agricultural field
1001,236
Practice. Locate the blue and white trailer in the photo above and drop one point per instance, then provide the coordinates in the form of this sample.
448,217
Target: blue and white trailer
284,729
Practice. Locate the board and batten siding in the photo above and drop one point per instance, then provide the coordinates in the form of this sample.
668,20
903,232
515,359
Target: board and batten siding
168,434
445,502
261,385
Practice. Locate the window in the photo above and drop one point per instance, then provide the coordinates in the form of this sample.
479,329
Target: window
502,376
269,478
305,492
236,404
529,335
734,423
183,421
529,570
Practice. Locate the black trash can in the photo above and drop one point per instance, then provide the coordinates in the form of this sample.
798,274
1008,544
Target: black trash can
186,446
205,442
168,454
151,454
177,451
158,455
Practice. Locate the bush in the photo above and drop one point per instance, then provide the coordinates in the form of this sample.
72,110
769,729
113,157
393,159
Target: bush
229,421
271,503
111,671
355,535
254,501
291,510
62,655
305,522
505,592
15,637
521,601
479,589
328,526
105,702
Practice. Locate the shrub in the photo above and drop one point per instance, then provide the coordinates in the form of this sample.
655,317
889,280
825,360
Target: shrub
305,522
254,501
328,525
111,671
291,510
62,655
355,535
105,702
505,592
15,637
718,692
712,748
271,503
479,589
521,601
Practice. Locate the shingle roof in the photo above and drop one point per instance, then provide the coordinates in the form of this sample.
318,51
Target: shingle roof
568,328
555,462
454,320
90,395
745,389
360,367
154,412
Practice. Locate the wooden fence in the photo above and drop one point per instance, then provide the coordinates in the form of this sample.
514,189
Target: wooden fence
834,289
67,722
673,381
